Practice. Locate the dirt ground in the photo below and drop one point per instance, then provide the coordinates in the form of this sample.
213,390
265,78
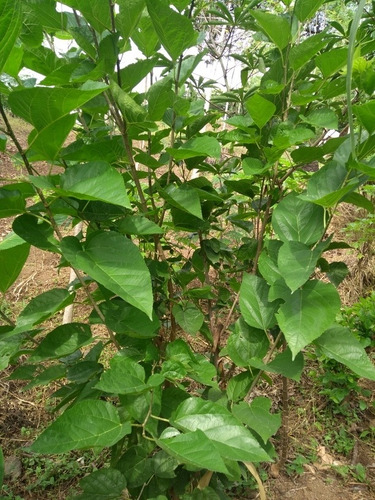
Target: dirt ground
24,414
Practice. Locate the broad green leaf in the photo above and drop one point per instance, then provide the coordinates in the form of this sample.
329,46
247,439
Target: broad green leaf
102,484
340,344
42,106
14,62
267,264
129,16
8,348
192,448
229,437
164,465
188,316
136,465
260,109
125,376
126,319
63,340
145,37
3,142
257,311
10,26
303,52
305,9
43,307
108,149
321,118
96,12
116,263
296,262
307,313
298,220
184,198
48,141
12,202
134,73
283,364
88,424
258,417
95,181
332,61
276,27
38,233
175,31
198,146
50,374
139,225
132,112
13,255
329,185
366,115
160,97
337,272
246,343
239,385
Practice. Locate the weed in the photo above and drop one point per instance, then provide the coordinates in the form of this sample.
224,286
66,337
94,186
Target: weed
339,441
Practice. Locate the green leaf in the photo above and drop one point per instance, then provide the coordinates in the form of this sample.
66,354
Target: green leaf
129,16
188,316
139,225
136,465
246,343
192,448
43,307
145,37
125,376
87,424
42,106
132,111
198,146
296,262
321,118
307,313
184,198
48,141
229,437
63,340
96,12
50,374
329,185
175,31
124,318
332,61
257,311
305,9
108,149
13,255
239,385
95,181
366,115
257,416
12,202
276,27
298,220
303,52
10,26
285,365
337,272
267,264
95,486
340,344
260,109
160,97
36,232
116,263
